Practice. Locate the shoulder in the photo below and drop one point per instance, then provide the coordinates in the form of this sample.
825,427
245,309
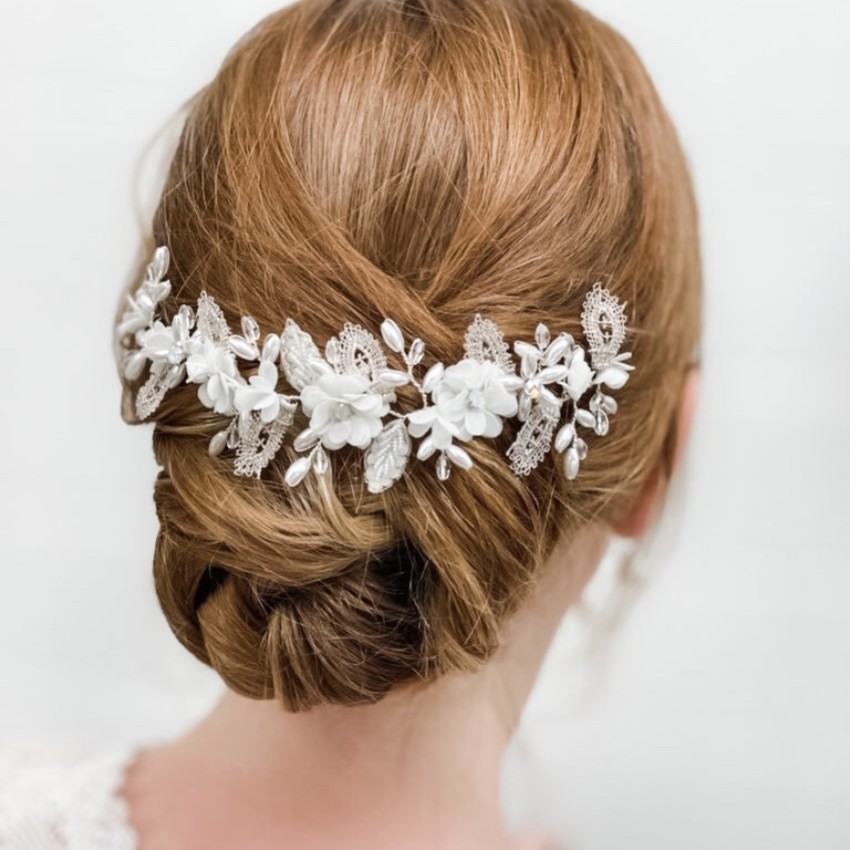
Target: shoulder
53,799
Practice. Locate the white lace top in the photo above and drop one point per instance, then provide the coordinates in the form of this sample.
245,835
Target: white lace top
50,801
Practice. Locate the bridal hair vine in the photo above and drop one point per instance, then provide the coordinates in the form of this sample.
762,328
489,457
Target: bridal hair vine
347,392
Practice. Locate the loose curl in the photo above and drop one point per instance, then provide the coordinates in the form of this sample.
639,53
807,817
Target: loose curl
427,160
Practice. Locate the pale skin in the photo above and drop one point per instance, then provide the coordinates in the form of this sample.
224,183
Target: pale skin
420,769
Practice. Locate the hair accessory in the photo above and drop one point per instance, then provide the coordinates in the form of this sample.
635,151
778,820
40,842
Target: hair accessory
347,392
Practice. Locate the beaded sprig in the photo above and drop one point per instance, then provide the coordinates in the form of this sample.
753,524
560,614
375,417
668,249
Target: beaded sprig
347,391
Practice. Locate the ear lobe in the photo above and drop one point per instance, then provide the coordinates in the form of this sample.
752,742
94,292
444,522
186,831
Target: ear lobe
636,520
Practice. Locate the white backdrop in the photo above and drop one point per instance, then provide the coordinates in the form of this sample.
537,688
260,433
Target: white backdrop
721,716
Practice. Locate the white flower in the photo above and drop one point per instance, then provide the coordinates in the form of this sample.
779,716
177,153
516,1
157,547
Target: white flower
260,393
214,368
162,342
442,429
342,410
616,372
469,400
580,375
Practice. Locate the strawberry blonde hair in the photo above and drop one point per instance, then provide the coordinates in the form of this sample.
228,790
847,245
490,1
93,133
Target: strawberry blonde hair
425,160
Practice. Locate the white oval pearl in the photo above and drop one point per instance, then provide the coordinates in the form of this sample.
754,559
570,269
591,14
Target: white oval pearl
459,456
305,440
218,442
392,335
571,463
242,348
564,437
557,349
271,348
426,448
393,377
585,418
297,470
134,365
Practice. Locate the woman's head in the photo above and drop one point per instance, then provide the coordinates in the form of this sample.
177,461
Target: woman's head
428,160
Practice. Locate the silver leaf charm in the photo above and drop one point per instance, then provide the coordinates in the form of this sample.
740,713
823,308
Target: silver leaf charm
484,341
297,349
534,439
260,441
387,455
603,319
359,352
210,321
152,392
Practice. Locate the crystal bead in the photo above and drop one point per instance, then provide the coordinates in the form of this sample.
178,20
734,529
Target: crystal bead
174,354
320,460
332,350
245,425
581,447
601,426
250,328
417,351
188,315
524,407
541,336
444,467
233,434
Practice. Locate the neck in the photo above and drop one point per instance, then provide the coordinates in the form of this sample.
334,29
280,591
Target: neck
396,762
420,768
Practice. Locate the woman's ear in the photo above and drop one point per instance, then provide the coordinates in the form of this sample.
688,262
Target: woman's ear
635,521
